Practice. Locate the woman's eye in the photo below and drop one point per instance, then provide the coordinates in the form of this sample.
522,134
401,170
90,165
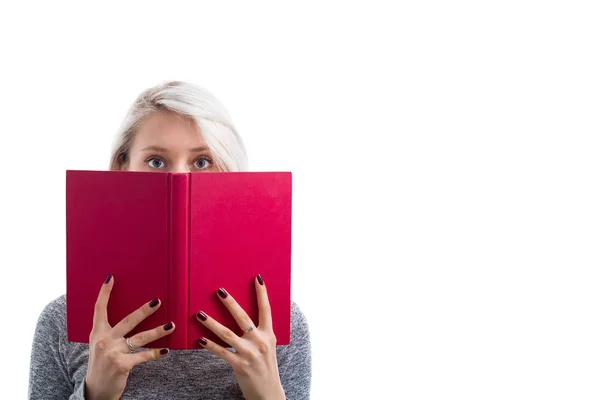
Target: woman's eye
202,163
156,163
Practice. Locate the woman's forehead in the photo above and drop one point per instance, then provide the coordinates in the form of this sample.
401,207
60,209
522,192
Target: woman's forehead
168,131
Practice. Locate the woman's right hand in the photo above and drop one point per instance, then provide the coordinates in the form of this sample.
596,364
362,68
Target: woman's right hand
109,361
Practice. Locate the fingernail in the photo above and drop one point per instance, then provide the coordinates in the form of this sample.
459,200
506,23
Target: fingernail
203,341
154,303
260,280
107,278
164,351
222,293
201,315
168,326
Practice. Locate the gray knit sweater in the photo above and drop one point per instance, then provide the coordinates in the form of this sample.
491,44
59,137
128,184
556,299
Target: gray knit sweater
58,367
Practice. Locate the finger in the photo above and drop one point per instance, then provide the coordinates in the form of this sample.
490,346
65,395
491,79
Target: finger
265,320
100,313
145,356
218,351
238,313
133,319
143,338
224,333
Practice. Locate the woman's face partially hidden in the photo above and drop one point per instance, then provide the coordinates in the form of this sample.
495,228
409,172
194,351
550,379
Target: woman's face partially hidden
168,142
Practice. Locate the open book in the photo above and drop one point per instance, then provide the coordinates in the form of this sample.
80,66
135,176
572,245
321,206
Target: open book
178,237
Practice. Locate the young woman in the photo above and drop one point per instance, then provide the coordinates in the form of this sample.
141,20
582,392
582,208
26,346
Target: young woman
176,127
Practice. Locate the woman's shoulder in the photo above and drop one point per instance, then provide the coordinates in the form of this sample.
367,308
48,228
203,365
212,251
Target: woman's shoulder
297,316
54,313
299,325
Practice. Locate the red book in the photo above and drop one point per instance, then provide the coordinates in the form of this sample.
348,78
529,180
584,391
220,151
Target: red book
178,237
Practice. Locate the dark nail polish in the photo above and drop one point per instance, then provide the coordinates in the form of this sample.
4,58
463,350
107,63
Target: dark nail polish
201,315
168,326
260,280
203,341
164,351
154,303
107,278
222,293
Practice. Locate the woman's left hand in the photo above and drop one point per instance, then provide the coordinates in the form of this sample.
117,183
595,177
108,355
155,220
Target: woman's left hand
254,361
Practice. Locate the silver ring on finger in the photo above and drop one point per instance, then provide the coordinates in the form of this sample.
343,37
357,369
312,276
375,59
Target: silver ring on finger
128,341
249,329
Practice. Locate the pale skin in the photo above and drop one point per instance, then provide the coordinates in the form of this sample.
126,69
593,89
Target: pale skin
170,143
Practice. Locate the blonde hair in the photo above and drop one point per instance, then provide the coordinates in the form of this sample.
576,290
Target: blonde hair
188,100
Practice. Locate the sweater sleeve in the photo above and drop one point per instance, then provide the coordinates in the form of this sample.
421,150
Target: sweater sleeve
48,374
294,360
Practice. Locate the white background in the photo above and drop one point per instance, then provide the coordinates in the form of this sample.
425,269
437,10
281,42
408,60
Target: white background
445,160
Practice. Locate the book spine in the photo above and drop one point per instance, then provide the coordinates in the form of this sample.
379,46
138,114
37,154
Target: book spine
179,187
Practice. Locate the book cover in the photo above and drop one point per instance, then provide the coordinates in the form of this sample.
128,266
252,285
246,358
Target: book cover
178,237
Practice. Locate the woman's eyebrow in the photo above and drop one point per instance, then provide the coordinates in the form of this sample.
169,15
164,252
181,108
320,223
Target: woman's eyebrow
155,148
202,148
164,150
